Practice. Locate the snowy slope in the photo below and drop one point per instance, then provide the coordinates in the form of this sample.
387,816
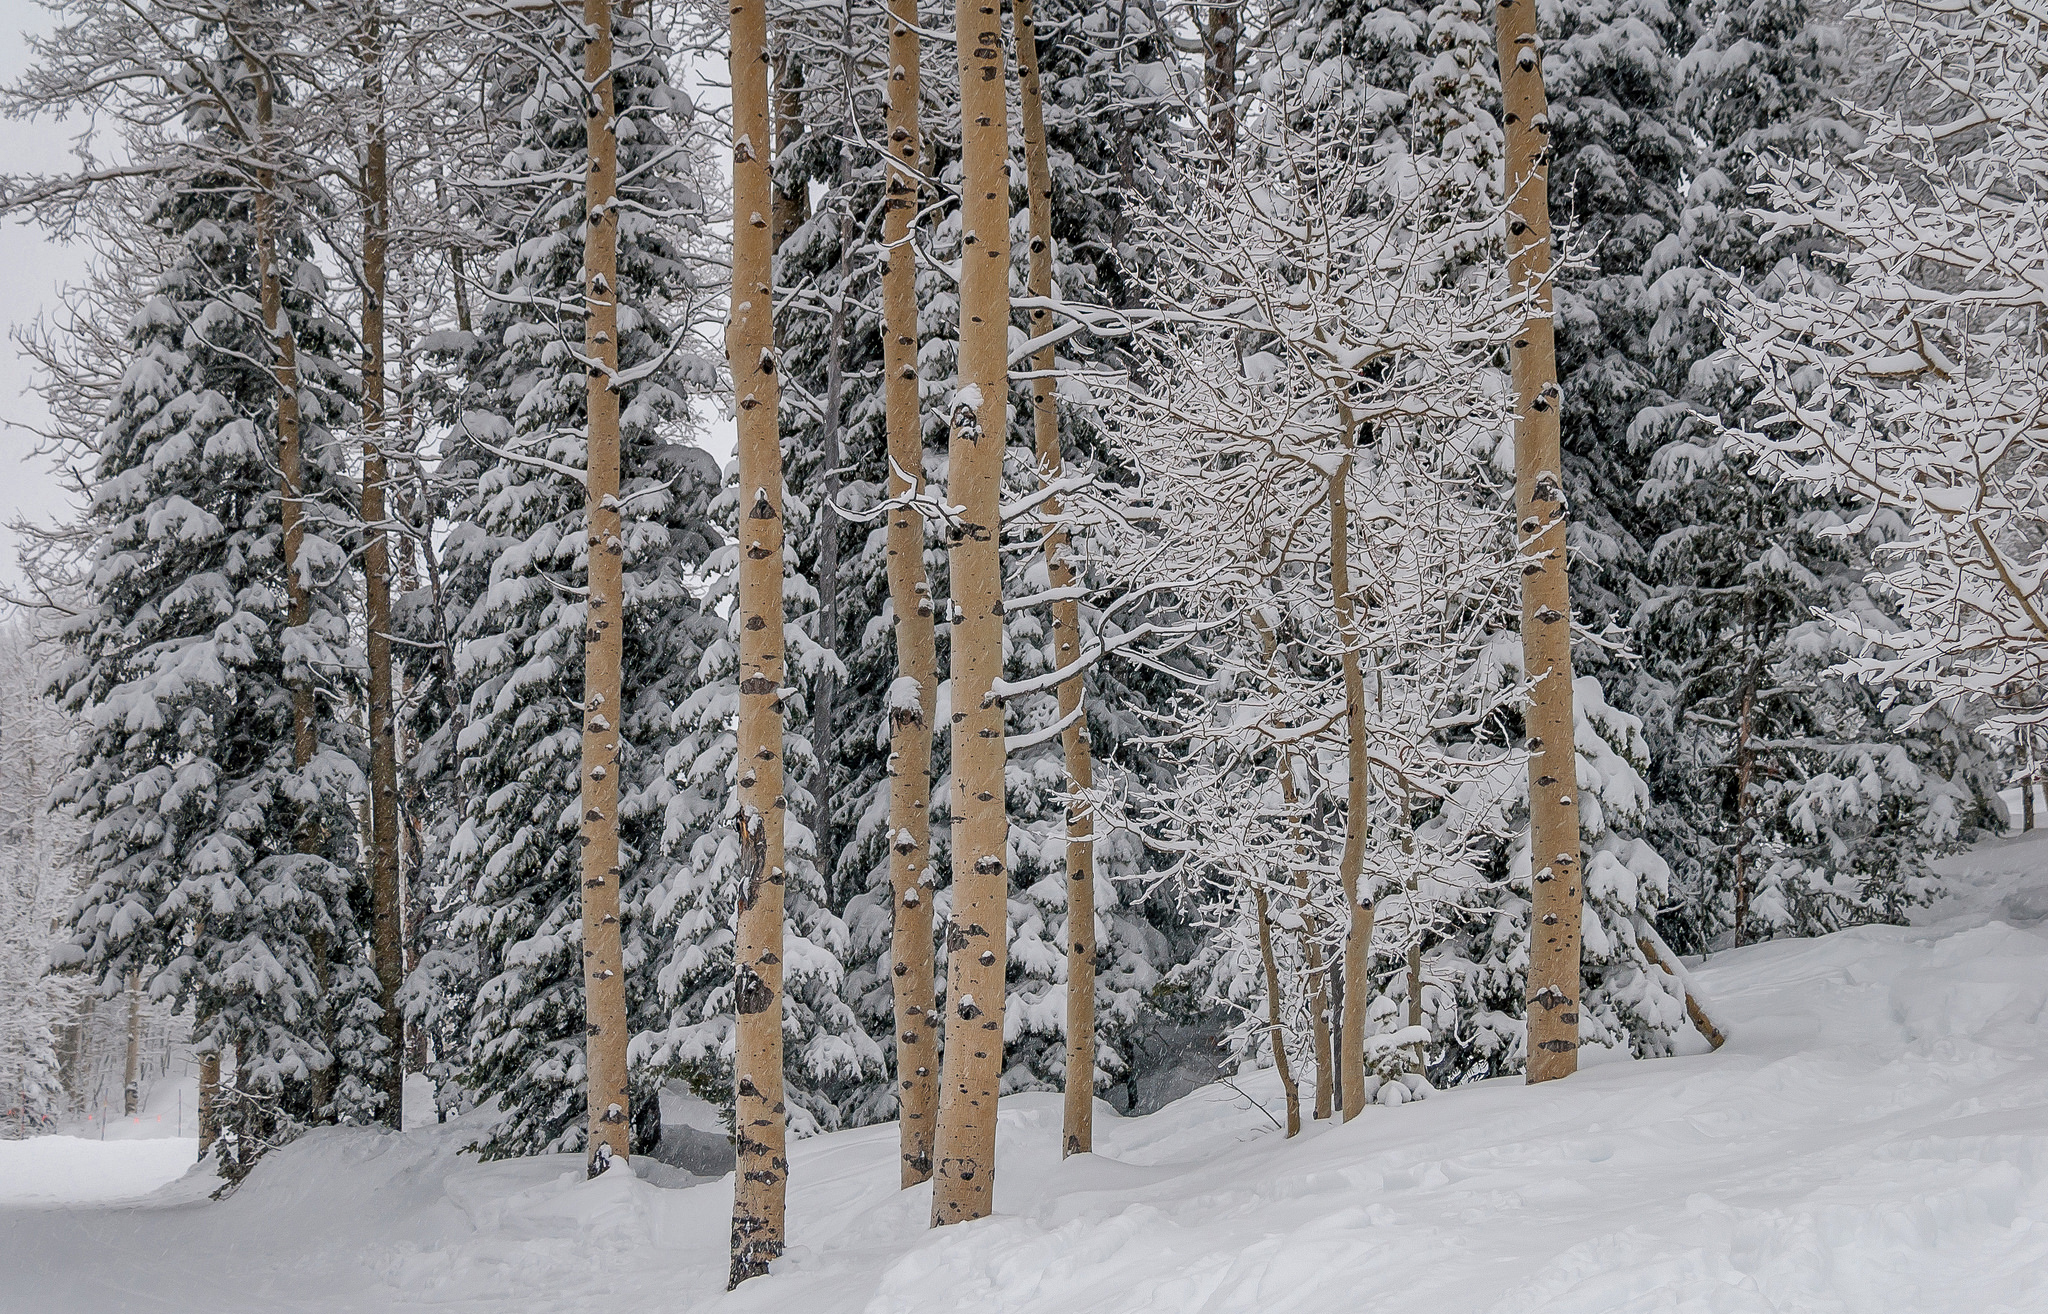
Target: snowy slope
1874,1137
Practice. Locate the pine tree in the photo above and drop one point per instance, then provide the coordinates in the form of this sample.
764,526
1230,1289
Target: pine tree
515,556
202,879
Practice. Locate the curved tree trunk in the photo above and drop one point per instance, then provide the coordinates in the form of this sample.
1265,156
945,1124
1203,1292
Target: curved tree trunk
1554,971
976,948
913,698
604,979
1078,1133
759,1116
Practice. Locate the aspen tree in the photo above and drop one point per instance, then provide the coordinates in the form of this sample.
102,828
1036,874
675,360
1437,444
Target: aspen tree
1276,1035
976,947
1078,1124
1312,956
604,982
1269,644
913,698
759,1116
1553,983
385,890
1351,865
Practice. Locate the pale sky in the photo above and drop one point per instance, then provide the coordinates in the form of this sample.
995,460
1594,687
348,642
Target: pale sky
33,269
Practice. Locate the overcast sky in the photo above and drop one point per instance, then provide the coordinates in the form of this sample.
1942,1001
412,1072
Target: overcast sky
33,269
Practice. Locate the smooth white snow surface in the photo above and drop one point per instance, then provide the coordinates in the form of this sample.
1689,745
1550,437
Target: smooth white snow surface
1873,1138
71,1170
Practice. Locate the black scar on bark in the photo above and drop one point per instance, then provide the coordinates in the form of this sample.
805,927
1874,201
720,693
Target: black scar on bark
752,995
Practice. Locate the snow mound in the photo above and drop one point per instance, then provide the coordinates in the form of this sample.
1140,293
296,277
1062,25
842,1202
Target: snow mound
1873,1137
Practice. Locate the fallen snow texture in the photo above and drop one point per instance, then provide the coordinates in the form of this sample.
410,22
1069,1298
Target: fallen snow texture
46,1170
1874,1137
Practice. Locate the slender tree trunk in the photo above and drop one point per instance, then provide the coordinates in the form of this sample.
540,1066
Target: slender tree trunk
1657,953
604,981
1079,1122
825,693
1554,971
292,518
964,1168
788,207
1276,1034
2027,780
385,894
913,698
131,1065
759,1118
1222,26
1312,957
1745,770
209,1100
1351,866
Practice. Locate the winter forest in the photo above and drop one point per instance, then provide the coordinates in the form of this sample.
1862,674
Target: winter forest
699,592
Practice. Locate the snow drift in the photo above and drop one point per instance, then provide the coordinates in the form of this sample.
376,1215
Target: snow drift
1873,1137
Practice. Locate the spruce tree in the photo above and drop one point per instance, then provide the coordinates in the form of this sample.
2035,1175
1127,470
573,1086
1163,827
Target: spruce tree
220,872
515,558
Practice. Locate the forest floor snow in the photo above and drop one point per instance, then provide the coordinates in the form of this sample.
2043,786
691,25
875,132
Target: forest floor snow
1874,1137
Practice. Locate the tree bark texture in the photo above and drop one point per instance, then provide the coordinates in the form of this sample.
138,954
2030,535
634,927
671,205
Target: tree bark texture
1312,958
131,1064
825,691
604,980
1351,864
387,931
1078,1125
209,1100
1276,1034
1745,774
1554,969
976,943
911,878
284,370
760,1183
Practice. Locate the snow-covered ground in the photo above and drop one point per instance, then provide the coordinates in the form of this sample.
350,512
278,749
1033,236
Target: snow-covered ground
1874,1137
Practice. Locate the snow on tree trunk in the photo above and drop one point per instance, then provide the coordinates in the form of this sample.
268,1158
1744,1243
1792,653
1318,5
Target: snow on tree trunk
913,698
1546,599
963,1166
1078,1121
759,1118
604,985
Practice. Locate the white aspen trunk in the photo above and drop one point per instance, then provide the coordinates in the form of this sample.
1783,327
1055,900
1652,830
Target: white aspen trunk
1351,865
609,1103
760,1118
1276,1035
911,879
1078,1123
1312,957
1554,967
963,1170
